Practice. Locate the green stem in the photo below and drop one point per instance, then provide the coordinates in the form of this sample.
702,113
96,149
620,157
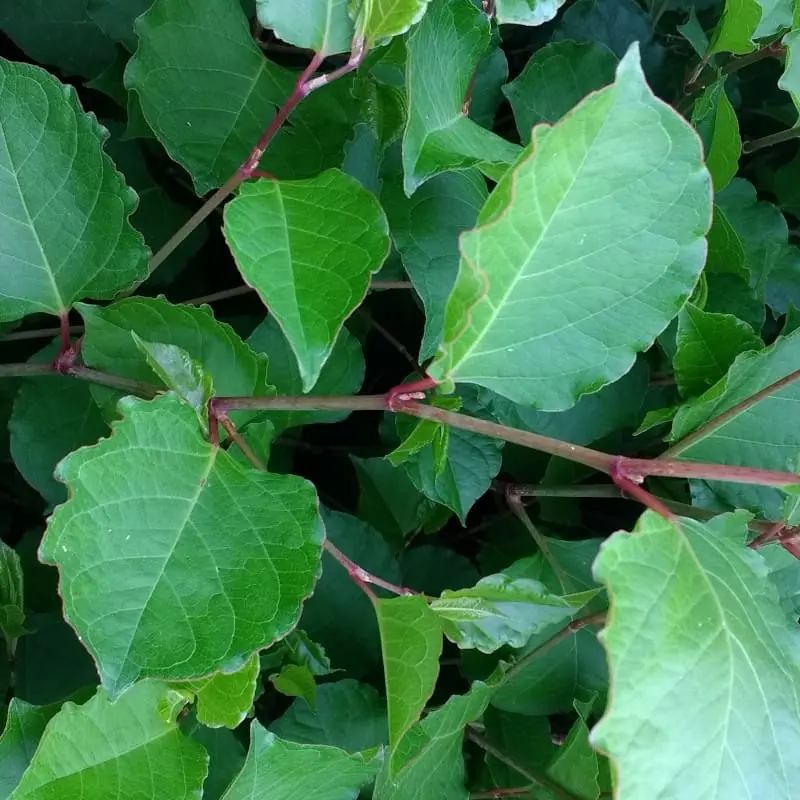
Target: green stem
771,140
539,778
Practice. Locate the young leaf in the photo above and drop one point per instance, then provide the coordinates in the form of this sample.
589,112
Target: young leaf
411,639
443,51
425,229
500,610
743,21
348,715
223,699
586,250
765,434
379,20
299,770
704,663
296,680
716,122
309,249
323,26
707,346
108,762
429,764
144,516
527,12
556,78
64,231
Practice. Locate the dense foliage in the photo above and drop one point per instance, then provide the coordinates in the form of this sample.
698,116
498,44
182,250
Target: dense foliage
401,399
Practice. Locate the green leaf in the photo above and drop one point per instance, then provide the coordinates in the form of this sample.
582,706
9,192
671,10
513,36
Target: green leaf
716,122
527,12
575,766
180,373
726,250
744,21
62,35
786,183
348,714
323,26
52,416
379,20
704,663
116,18
234,368
429,763
707,346
223,699
411,639
432,569
556,78
763,435
299,770
25,724
574,234
64,226
309,249
790,80
208,94
226,756
109,761
144,517
296,680
425,229
500,610
339,615
470,463
307,653
12,596
593,417
442,53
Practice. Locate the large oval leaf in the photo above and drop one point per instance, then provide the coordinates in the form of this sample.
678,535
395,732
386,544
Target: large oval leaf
175,560
64,230
587,249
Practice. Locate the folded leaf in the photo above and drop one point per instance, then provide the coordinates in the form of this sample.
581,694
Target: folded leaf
584,251
156,507
704,665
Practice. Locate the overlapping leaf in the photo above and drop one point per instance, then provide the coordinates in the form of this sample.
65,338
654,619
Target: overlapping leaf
585,252
527,12
323,26
309,249
64,229
442,53
704,664
377,20
744,21
715,120
156,507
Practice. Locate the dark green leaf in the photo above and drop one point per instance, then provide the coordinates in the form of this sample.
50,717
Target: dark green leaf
12,596
226,757
575,766
116,18
144,517
432,569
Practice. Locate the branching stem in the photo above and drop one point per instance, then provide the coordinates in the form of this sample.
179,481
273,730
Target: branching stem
361,576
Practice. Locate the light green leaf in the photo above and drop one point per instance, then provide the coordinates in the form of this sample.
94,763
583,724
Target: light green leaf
704,664
52,416
94,750
309,249
379,20
442,53
348,714
235,368
425,229
423,433
575,236
763,435
61,35
25,724
223,699
12,596
429,763
790,80
64,229
179,372
744,21
323,26
277,770
591,418
411,639
500,610
707,346
339,615
527,12
716,122
145,516
556,78
296,680
208,94
305,652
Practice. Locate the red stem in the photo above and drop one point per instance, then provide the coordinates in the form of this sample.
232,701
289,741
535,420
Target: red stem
361,576
633,489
